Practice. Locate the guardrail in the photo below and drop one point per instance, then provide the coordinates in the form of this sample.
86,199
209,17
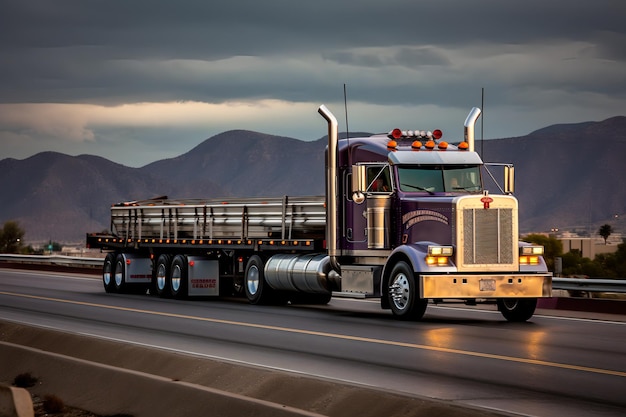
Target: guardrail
570,284
590,284
62,260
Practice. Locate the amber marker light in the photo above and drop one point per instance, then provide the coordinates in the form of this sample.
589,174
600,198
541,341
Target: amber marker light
528,260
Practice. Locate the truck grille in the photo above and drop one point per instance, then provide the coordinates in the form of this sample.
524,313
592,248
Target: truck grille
487,236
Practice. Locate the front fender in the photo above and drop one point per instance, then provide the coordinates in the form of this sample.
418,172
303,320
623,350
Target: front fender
415,255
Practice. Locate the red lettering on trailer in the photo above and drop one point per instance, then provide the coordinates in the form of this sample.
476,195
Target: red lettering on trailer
204,283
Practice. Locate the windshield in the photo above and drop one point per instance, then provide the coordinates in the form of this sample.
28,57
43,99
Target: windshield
439,178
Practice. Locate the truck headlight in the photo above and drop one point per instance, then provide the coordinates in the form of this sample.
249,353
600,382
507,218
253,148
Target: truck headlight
529,255
531,250
438,255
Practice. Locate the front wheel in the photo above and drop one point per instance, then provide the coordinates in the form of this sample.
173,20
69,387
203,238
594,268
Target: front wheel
517,309
403,293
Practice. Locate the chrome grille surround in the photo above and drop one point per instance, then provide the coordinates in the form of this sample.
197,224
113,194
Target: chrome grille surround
487,237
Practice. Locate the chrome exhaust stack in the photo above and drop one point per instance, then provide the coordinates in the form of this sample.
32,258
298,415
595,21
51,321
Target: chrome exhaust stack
469,124
331,187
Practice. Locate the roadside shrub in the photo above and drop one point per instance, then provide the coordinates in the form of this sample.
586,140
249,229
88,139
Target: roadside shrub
25,380
53,404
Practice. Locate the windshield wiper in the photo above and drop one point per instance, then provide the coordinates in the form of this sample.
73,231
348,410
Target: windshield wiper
475,188
418,188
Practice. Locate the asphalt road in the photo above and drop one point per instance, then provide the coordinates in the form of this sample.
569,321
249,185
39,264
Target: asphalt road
549,366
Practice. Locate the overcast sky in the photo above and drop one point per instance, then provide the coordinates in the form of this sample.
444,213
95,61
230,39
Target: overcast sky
136,81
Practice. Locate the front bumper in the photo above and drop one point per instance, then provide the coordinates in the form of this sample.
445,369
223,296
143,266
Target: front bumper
486,286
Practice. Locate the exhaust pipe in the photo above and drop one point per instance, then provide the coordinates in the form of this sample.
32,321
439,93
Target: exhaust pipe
470,121
331,187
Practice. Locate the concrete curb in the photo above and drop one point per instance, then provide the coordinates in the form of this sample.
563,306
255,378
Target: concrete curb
107,390
15,402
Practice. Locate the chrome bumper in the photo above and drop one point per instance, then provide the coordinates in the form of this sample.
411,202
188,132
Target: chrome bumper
486,286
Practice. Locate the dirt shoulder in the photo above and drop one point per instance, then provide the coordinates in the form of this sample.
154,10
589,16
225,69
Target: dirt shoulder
153,382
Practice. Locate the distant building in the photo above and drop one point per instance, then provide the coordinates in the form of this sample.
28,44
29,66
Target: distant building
590,247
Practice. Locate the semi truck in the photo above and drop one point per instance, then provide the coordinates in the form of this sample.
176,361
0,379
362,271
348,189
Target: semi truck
406,218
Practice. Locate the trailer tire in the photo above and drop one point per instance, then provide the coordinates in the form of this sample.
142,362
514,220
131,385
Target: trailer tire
178,277
403,293
120,274
108,272
257,289
517,309
163,275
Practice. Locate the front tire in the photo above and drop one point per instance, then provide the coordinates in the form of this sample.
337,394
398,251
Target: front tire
403,293
517,309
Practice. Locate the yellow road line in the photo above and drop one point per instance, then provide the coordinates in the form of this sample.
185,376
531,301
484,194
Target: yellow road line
336,336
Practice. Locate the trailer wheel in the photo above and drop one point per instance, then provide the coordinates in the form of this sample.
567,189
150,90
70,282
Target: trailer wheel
257,290
517,309
120,274
163,275
403,294
108,273
178,279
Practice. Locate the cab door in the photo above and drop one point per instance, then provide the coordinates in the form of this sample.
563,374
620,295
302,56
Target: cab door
367,213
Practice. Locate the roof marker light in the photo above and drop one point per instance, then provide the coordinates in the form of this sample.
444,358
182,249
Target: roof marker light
463,146
430,144
395,134
416,145
443,145
392,144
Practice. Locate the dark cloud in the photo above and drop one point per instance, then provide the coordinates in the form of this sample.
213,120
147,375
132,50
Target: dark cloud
534,54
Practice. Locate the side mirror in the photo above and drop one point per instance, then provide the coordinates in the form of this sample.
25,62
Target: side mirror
509,179
359,183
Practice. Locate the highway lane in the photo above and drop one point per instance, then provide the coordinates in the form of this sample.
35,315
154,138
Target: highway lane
549,366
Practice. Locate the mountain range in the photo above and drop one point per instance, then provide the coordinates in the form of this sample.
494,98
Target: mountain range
568,176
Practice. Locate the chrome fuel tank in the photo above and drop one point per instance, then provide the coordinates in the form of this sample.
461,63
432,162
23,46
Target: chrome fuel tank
302,273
